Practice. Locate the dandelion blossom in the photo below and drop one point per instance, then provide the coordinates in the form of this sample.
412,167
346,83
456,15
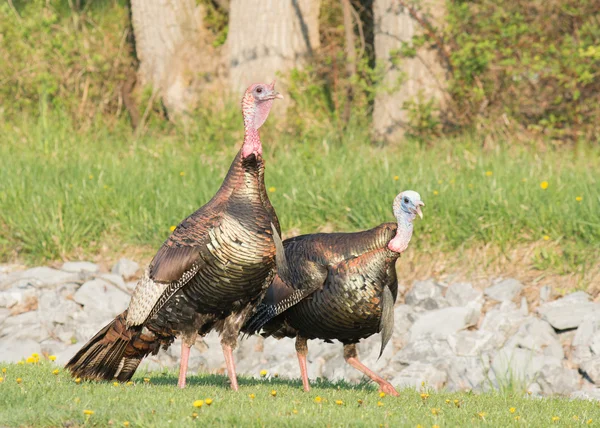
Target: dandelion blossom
424,396
3,369
273,393
172,228
546,238
129,383
482,415
435,192
52,357
517,418
555,418
194,415
147,379
435,411
252,396
263,373
116,383
272,189
575,417
489,173
126,423
318,399
208,401
78,380
88,412
295,411
544,185
1,379
182,173
55,372
339,402
198,403
512,410
379,404
579,198
360,402
396,178
381,394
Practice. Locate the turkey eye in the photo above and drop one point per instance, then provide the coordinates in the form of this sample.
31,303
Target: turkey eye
259,90
406,200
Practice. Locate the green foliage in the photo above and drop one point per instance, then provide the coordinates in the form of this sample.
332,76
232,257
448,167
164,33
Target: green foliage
527,63
63,58
46,399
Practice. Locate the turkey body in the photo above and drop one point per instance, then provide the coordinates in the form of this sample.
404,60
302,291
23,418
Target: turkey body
210,273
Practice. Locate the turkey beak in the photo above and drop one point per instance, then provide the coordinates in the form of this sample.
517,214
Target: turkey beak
419,212
275,94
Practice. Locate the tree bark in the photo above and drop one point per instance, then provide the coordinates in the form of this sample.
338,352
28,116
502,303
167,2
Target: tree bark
267,36
422,76
172,48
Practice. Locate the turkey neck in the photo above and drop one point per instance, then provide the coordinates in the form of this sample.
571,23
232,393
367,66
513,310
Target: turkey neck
403,235
252,143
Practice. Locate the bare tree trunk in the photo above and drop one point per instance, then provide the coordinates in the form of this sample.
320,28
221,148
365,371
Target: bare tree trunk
423,75
172,49
267,36
350,49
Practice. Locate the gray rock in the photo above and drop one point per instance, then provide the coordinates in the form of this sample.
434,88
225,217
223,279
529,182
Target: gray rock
425,350
440,323
63,357
591,368
417,374
53,308
505,290
426,295
537,336
17,296
588,394
463,294
126,268
467,373
504,321
102,297
545,293
586,342
39,277
77,267
471,343
517,366
568,312
404,317
534,390
17,350
558,380
24,326
4,314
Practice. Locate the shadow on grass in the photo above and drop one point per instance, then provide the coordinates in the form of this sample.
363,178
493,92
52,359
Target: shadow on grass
223,382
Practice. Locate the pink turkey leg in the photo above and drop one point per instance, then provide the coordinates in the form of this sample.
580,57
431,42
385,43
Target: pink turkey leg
302,351
228,353
351,358
185,355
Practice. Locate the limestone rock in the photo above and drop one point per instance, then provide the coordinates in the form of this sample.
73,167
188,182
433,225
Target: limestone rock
426,295
102,297
468,343
17,350
505,290
17,296
504,321
38,277
568,312
463,294
418,373
466,373
588,394
126,268
556,380
440,323
586,342
591,368
76,267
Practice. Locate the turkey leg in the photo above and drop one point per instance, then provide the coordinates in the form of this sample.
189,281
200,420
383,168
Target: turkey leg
302,351
186,344
228,353
351,357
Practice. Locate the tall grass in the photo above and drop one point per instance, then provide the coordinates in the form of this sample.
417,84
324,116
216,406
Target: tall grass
62,192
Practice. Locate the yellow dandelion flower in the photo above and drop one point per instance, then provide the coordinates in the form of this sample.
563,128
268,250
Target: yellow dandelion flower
1,379
589,421
555,418
381,394
129,383
35,355
575,417
272,189
30,360
198,403
360,402
52,357
435,426
579,198
435,411
422,384
318,399
91,177
172,228
147,380
470,185
379,404
544,185
252,396
3,369
512,410
21,362
182,173
424,396
78,380
55,372
273,393
546,238
208,401
105,186
76,399
457,403
524,180
440,181
263,373
396,178
126,424
88,412
339,402
276,375
482,415
489,173
295,411
116,383
194,415
517,418
435,192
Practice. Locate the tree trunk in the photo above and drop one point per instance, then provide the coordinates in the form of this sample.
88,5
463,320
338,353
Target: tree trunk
422,76
172,48
267,36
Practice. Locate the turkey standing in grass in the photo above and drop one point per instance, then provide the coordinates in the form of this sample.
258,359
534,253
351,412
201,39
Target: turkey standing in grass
338,286
210,273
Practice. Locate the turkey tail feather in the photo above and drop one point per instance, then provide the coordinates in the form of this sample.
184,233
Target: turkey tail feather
111,353
386,323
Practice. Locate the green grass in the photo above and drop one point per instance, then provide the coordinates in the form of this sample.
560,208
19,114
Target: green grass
64,193
45,399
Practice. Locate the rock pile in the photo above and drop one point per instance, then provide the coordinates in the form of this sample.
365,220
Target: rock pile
449,336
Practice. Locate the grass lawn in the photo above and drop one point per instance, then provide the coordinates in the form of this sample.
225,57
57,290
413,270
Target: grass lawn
66,195
46,399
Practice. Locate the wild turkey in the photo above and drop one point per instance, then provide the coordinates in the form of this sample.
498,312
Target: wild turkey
338,286
210,273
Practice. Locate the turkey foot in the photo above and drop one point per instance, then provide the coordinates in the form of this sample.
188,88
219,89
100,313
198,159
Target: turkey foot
302,351
228,353
185,355
351,357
